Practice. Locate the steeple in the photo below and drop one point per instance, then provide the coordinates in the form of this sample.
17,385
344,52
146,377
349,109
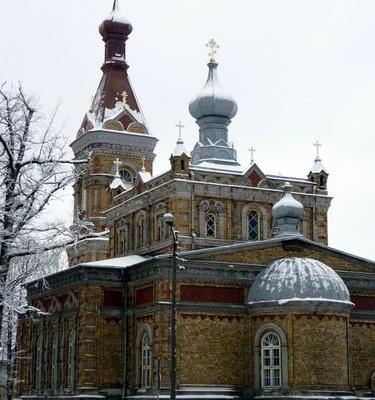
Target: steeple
115,105
318,174
213,110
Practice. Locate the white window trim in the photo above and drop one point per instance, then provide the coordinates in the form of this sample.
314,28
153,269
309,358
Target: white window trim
258,354
272,368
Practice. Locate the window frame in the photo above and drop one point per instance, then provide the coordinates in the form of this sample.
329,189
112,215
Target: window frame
258,373
213,217
145,361
251,215
269,351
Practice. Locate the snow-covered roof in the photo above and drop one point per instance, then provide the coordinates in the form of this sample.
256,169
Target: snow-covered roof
180,148
117,183
318,167
218,167
145,176
119,262
298,279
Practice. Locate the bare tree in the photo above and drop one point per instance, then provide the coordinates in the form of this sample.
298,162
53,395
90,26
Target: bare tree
34,168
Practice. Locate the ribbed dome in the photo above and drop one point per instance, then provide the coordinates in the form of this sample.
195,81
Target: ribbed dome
298,279
287,206
213,100
115,23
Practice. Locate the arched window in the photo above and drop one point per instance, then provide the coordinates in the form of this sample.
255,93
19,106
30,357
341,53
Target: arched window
210,225
54,361
182,165
39,362
159,228
253,225
71,360
271,360
146,361
126,177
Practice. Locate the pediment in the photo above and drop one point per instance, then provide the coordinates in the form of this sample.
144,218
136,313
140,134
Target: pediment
254,175
263,252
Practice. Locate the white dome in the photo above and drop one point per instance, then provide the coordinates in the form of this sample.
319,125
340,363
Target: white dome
298,279
213,100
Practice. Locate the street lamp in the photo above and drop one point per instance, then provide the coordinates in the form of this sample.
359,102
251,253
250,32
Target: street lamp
169,220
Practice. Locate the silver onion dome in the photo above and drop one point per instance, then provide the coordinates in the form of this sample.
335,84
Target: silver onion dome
213,100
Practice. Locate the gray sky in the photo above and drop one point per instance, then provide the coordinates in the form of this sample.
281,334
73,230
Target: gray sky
299,70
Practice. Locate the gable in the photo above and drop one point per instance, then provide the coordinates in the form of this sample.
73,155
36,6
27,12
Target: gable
266,255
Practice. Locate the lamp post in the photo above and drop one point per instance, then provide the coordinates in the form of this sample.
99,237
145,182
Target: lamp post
169,221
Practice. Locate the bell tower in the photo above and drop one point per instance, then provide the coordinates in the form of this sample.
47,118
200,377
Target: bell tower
115,133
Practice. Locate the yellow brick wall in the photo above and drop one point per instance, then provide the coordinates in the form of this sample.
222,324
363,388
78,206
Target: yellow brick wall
212,350
363,353
319,348
110,354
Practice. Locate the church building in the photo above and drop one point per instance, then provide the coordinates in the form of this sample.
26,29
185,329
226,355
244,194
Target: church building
265,308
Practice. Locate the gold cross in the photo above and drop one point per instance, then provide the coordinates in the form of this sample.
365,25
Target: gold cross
213,46
117,162
180,127
124,97
317,145
252,151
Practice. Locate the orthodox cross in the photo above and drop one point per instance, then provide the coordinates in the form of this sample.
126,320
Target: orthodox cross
180,127
124,97
317,145
213,46
117,162
252,151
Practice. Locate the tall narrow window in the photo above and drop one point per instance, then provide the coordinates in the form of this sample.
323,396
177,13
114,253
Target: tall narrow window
70,361
253,226
54,361
146,361
39,363
160,227
141,233
210,226
122,235
271,360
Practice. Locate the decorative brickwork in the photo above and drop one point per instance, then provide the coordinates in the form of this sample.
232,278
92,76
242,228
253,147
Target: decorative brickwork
212,294
362,353
217,350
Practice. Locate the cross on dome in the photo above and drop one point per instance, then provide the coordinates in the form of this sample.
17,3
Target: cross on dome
252,151
317,145
117,162
213,46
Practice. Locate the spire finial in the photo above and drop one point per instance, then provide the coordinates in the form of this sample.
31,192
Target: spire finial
180,127
252,151
117,162
317,145
143,164
213,46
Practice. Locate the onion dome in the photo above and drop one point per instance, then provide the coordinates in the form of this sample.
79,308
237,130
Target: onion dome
298,280
115,23
287,213
213,100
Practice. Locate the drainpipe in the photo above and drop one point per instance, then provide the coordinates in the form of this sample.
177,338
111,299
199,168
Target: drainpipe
314,216
193,235
125,338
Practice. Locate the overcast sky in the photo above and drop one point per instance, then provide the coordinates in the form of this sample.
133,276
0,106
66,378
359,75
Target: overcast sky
299,70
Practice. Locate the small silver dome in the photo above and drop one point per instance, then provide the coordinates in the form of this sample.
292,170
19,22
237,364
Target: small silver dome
287,206
213,100
287,213
298,279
